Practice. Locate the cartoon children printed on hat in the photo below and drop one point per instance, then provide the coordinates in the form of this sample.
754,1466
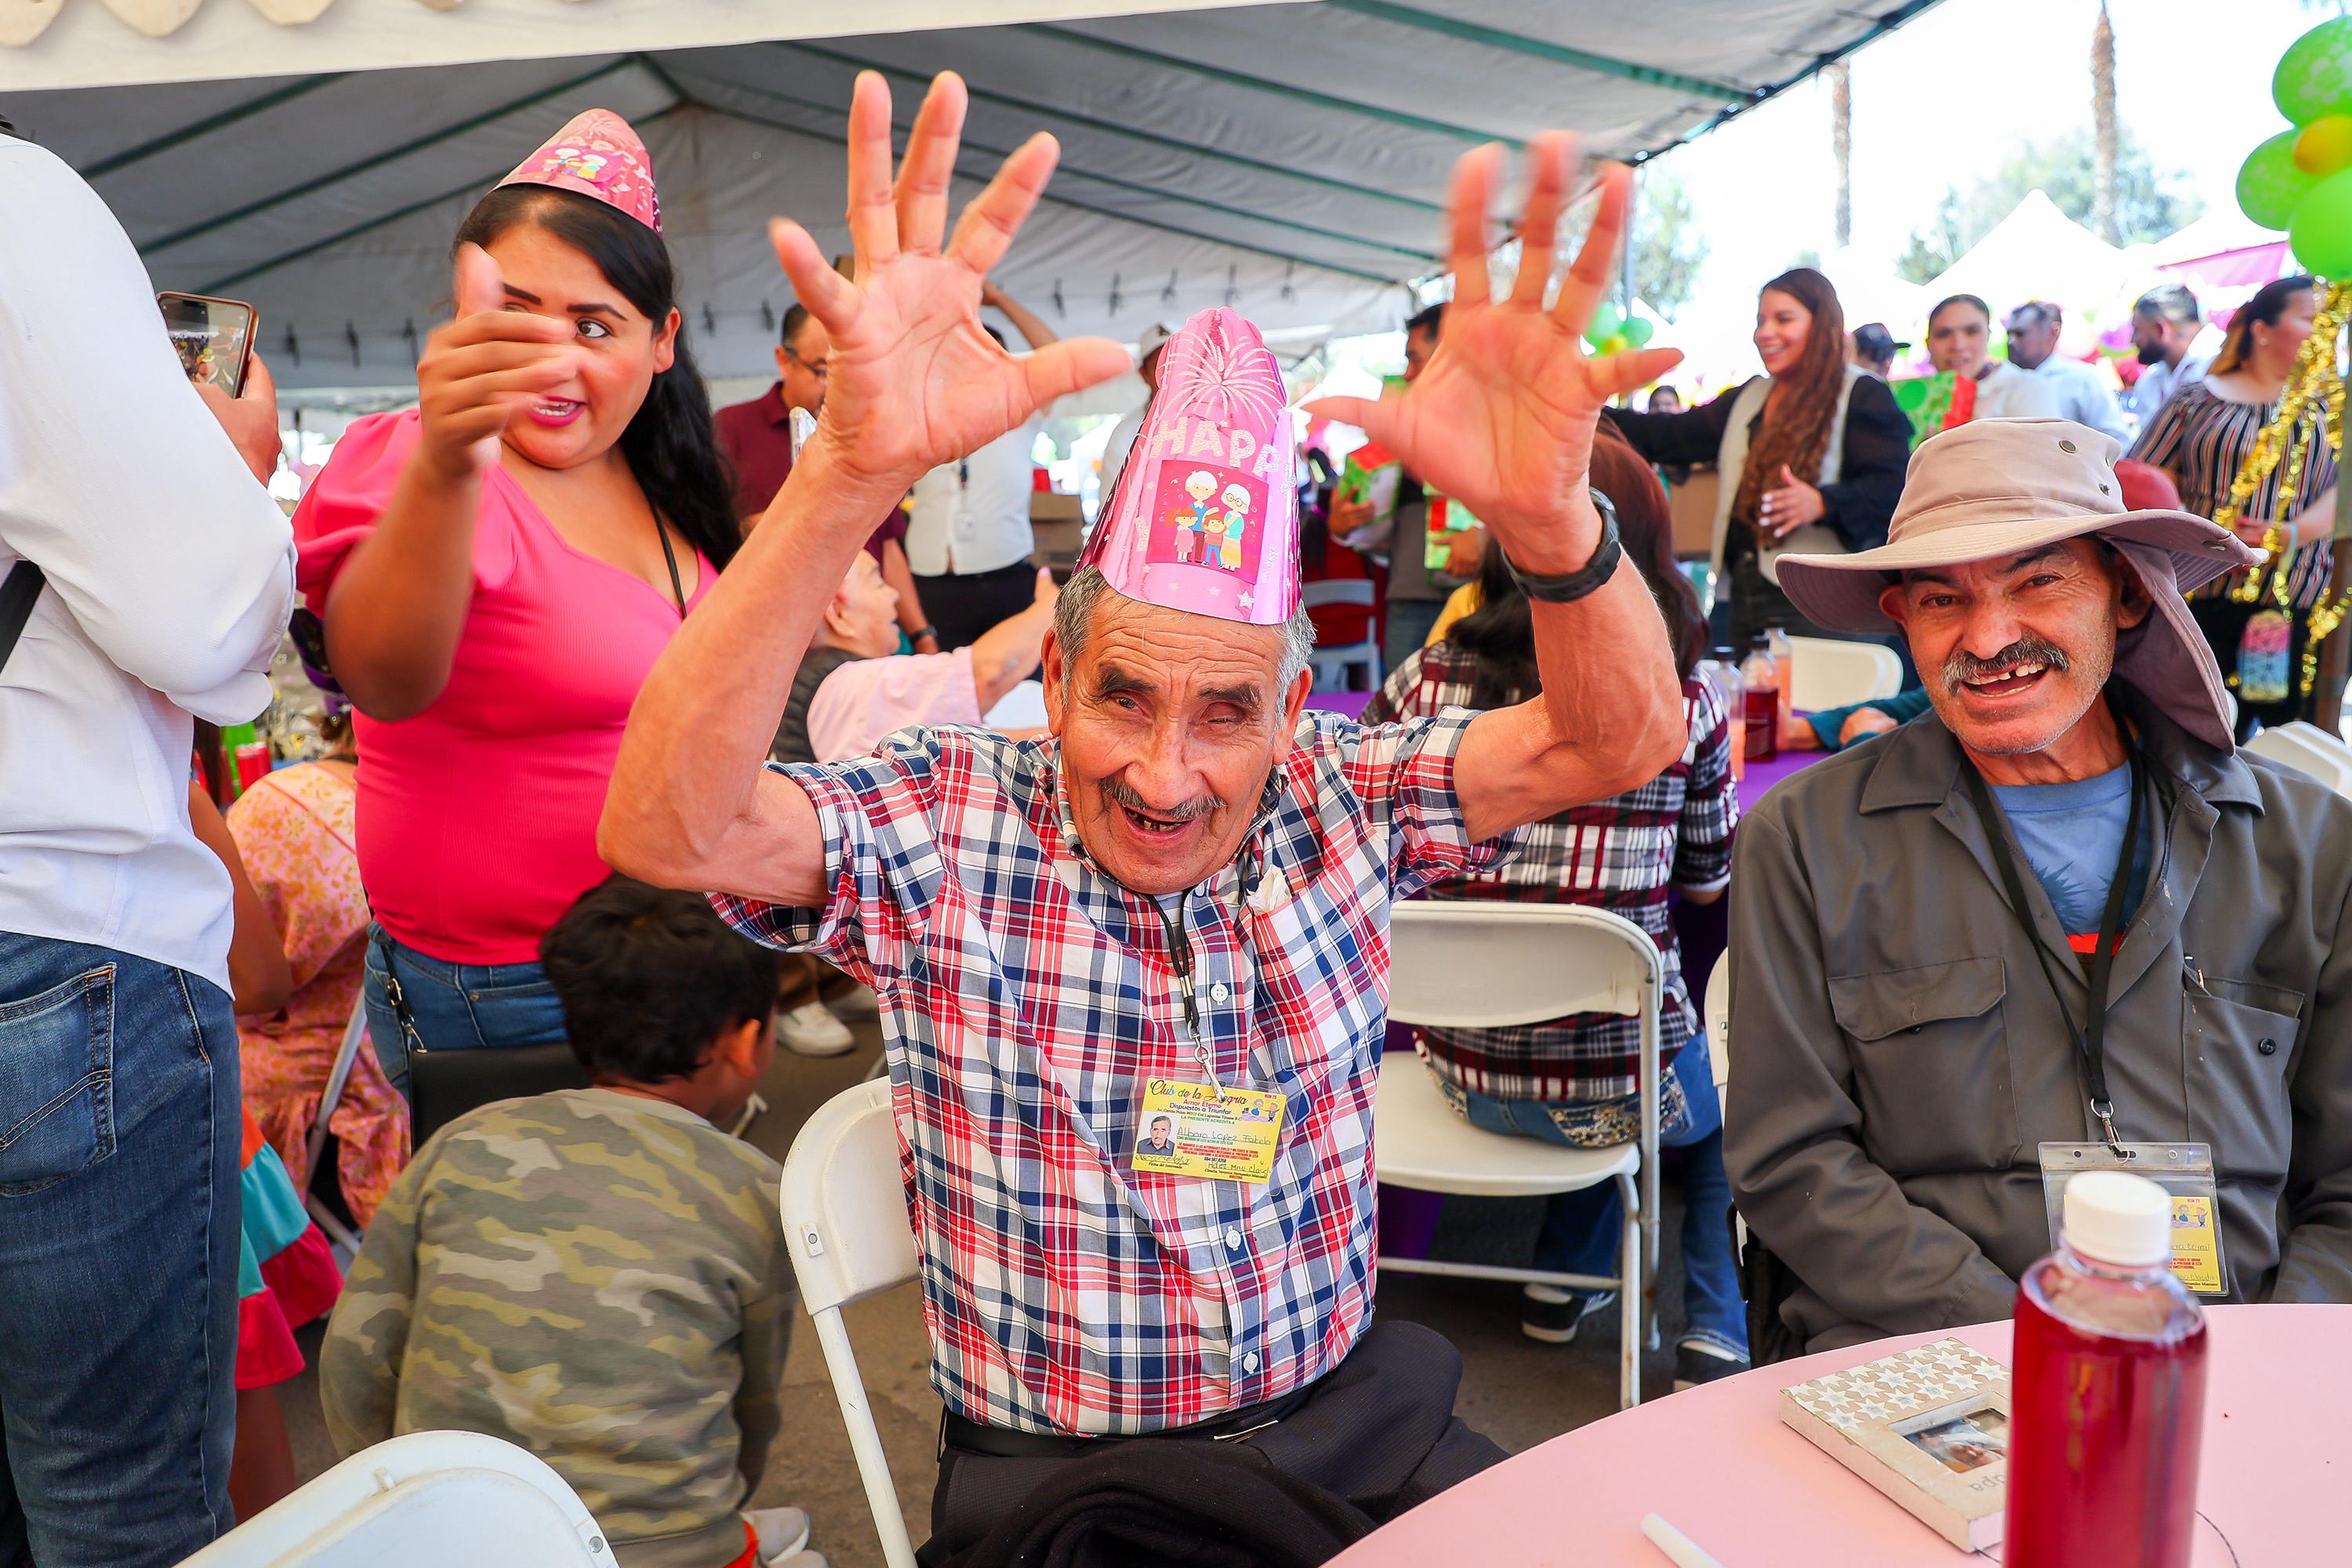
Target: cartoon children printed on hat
1200,486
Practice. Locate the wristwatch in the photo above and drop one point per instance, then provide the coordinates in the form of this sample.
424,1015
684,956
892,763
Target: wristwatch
918,635
1576,585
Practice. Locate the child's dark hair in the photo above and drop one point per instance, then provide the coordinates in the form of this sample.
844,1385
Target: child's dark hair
650,977
671,445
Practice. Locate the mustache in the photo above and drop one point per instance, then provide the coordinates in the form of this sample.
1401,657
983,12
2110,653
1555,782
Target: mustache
1122,794
1963,666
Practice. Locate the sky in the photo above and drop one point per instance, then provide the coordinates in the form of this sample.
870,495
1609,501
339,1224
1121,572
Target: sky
1947,98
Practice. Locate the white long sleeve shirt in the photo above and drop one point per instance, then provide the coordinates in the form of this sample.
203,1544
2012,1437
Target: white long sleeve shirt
170,571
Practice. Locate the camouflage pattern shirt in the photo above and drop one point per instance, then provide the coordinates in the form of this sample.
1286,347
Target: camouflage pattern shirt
598,1277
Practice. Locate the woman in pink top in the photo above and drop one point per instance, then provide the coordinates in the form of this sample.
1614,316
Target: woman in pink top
496,572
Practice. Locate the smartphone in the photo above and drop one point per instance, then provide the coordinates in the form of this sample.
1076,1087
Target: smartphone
802,424
214,337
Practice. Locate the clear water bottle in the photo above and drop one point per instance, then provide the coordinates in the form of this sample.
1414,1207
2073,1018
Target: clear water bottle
1759,673
1784,659
1721,668
2108,1389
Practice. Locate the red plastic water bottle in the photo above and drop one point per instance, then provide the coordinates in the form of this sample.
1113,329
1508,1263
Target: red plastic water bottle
2107,1392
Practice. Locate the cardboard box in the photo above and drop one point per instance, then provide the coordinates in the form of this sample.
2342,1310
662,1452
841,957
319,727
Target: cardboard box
1691,505
1047,506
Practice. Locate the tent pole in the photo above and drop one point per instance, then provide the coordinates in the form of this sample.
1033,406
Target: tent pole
2335,653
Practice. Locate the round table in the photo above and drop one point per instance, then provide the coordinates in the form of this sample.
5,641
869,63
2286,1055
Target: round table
1717,1463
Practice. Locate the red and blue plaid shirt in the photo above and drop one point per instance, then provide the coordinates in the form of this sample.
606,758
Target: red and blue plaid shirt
1028,997
1621,855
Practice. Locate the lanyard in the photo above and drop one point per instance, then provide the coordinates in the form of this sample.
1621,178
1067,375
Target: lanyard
1180,958
2090,1040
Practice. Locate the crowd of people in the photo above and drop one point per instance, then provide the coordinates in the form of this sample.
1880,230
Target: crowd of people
637,713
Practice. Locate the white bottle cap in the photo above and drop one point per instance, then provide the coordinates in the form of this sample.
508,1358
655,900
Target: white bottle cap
2119,1219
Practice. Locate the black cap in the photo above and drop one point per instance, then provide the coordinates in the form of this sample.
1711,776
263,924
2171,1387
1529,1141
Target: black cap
1875,342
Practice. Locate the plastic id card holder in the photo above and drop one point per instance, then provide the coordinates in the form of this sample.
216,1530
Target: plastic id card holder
1194,1130
2183,1170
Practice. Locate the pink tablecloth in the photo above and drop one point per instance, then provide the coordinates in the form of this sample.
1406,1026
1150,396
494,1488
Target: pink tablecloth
1717,1464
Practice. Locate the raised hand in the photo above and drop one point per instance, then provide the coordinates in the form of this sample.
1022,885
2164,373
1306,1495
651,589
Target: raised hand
1503,417
912,380
483,365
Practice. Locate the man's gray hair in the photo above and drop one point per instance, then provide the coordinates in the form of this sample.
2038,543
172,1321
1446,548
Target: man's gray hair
1074,618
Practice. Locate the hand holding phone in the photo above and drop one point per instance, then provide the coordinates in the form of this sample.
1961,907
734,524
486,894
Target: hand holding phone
250,417
484,366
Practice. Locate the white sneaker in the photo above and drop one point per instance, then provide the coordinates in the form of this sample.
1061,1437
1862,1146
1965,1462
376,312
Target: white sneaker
781,1531
809,1030
857,1002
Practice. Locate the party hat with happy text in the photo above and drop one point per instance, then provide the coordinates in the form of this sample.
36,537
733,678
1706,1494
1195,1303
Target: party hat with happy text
1206,515
596,155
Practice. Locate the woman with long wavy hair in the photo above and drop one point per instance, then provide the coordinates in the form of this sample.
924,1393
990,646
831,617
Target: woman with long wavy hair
496,570
1810,455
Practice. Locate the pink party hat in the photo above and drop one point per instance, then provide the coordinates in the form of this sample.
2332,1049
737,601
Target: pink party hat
1206,515
596,155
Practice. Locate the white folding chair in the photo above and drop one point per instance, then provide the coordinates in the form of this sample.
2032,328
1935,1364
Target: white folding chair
1832,673
338,1077
844,1208
1331,664
2310,749
1719,1022
455,1500
1492,965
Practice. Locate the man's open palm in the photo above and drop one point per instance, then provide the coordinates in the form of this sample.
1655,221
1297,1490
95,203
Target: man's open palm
1502,420
913,381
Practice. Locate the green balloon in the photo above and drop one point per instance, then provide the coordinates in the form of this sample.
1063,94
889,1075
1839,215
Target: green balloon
1604,324
2322,230
1637,330
2270,185
2314,75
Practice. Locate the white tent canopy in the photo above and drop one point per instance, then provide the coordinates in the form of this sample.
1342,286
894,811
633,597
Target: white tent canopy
2035,253
1288,159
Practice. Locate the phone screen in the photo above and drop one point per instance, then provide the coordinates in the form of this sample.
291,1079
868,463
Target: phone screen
213,338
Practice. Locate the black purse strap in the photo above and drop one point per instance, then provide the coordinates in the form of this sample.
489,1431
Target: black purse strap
22,586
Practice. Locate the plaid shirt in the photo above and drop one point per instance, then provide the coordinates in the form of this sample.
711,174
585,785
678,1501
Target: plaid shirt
1617,855
1028,997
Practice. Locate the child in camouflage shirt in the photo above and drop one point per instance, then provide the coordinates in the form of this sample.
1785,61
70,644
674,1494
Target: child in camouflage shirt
599,1275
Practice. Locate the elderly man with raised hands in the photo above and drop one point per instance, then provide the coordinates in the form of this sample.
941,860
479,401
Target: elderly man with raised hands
1177,902
2054,924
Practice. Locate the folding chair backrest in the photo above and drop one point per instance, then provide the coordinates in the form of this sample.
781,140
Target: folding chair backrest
1719,1020
1336,591
1481,966
845,1213
2308,749
453,1499
1834,674
845,1201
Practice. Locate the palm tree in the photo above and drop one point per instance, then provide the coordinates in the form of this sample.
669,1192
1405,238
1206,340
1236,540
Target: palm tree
1841,77
2103,127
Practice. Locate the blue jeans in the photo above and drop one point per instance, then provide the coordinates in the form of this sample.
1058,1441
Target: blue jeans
1409,621
120,1139
1580,1229
452,1006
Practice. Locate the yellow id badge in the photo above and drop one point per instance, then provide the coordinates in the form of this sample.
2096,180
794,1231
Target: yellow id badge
2185,1171
2196,1244
1190,1130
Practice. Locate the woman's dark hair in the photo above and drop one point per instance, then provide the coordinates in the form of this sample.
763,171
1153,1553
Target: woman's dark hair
2269,304
669,443
1948,300
1797,419
1499,635
212,761
650,978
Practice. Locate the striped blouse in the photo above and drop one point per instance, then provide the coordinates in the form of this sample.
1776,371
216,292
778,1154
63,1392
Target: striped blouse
2201,440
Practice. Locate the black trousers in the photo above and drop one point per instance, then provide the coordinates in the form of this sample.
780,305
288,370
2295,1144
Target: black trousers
963,605
1378,1430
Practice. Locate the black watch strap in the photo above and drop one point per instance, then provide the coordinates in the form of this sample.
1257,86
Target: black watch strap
1576,585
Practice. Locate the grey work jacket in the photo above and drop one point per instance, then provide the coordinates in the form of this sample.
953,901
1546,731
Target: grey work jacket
1898,1057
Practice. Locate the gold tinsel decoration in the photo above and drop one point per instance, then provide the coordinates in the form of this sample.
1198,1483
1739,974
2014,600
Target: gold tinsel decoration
2311,408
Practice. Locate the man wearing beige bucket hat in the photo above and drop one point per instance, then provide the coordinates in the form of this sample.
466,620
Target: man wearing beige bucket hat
1919,1028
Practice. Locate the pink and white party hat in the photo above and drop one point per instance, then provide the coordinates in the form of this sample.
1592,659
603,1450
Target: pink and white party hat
596,155
1206,515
